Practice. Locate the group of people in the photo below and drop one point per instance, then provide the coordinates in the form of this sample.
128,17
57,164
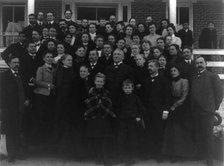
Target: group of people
108,91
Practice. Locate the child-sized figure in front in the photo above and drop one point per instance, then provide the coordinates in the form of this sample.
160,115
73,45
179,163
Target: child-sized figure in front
130,110
98,116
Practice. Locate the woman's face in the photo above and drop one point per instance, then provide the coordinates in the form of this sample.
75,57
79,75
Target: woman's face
164,23
170,31
80,52
141,28
83,72
162,61
156,53
133,22
72,29
174,72
60,49
168,40
67,61
145,46
85,38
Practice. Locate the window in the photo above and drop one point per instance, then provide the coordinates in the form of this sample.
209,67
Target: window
182,15
94,13
13,18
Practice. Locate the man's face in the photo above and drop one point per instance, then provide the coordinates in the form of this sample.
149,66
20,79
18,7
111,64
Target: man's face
102,22
164,23
32,20
99,42
152,29
108,28
80,52
112,19
160,43
14,64
133,22
200,64
22,38
84,23
186,26
36,36
85,38
60,49
148,19
72,29
141,28
31,48
51,46
40,16
111,39
50,17
211,26
62,24
168,40
52,32
136,39
129,31
121,44
107,49
92,28
145,46
68,15
118,56
187,54
93,57
172,50
162,61
152,68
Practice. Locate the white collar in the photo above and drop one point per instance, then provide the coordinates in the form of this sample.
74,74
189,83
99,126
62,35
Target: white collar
154,75
118,63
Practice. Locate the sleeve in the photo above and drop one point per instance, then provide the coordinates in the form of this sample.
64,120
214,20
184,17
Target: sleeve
6,53
218,90
184,93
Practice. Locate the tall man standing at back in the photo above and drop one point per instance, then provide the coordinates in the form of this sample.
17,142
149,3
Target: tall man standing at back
206,97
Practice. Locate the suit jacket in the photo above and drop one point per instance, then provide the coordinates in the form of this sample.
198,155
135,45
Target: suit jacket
106,62
28,31
208,39
10,97
16,49
186,37
206,91
115,77
156,92
96,69
187,70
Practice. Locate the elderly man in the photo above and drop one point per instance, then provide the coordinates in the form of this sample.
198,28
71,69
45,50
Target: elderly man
206,96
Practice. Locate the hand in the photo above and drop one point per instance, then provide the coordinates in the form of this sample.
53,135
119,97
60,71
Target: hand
172,108
138,86
165,115
138,119
27,103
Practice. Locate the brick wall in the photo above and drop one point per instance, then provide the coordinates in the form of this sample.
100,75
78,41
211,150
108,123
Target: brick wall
140,9
209,11
54,6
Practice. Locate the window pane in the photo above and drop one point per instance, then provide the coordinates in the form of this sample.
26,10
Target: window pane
6,16
105,12
184,15
19,13
86,12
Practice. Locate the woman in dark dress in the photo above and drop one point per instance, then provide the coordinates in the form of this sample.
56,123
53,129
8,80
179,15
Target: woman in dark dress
177,137
98,116
63,80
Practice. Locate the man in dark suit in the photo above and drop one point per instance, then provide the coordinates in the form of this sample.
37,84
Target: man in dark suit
106,59
206,97
32,25
186,35
116,74
93,64
15,49
12,108
156,92
51,22
187,64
